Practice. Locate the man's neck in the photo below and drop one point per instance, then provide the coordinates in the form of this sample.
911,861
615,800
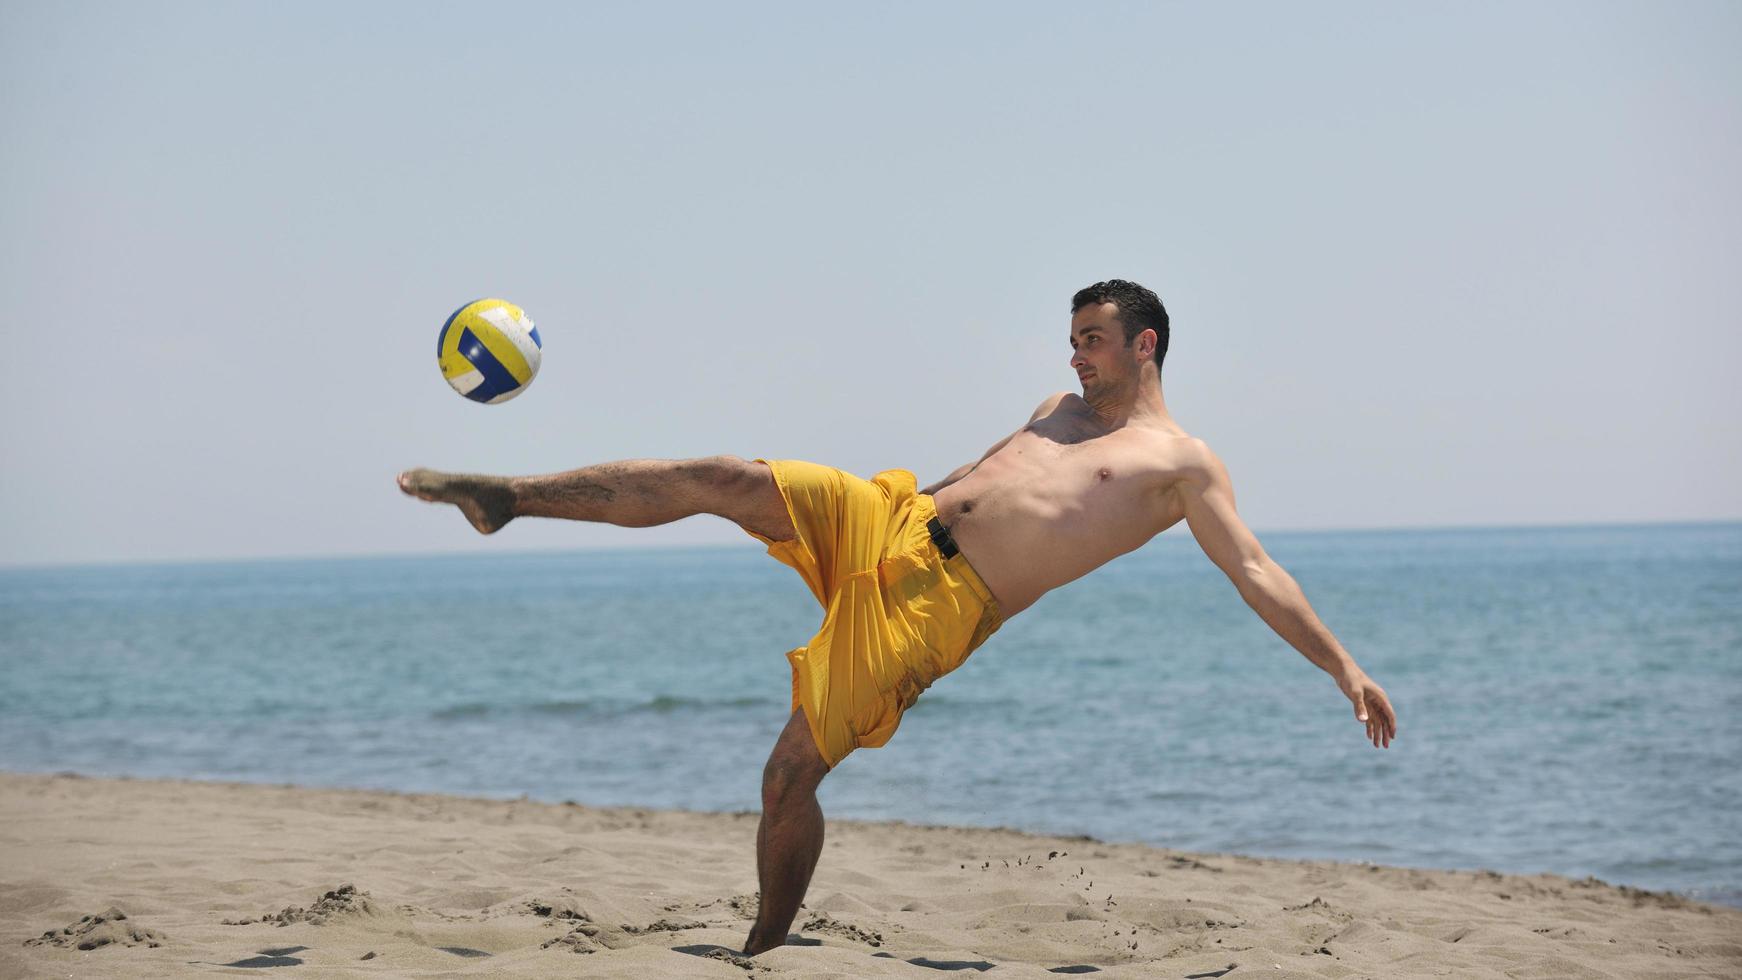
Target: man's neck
1142,402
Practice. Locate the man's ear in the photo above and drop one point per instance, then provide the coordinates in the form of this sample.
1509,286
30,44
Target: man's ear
1146,342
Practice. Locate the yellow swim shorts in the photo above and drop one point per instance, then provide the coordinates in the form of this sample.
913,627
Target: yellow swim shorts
898,614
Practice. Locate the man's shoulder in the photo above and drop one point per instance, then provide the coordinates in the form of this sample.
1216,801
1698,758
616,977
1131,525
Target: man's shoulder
1198,464
1056,399
1052,403
1183,457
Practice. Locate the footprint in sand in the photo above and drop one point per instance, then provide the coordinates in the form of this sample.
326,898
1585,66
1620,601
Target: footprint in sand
94,931
342,902
825,923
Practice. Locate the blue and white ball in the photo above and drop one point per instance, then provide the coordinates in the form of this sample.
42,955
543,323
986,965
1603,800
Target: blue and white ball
489,350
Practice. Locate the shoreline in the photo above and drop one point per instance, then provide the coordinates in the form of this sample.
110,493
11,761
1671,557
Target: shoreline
233,875
1064,834
1067,835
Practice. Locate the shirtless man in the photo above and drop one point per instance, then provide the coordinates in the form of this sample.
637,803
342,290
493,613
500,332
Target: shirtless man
913,580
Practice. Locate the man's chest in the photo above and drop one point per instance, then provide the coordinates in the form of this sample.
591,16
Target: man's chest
1120,475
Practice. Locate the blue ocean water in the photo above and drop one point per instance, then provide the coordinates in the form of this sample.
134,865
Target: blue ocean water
1570,698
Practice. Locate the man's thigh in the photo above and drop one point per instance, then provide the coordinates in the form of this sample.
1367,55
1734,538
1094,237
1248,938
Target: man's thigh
846,522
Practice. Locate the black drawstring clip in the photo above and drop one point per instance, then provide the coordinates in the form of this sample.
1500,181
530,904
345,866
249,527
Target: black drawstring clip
940,536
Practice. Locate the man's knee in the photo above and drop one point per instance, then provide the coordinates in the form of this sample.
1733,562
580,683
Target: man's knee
722,472
721,480
795,767
744,492
786,780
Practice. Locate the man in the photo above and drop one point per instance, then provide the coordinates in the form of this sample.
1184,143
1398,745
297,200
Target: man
913,580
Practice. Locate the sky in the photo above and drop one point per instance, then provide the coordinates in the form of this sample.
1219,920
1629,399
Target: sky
1428,265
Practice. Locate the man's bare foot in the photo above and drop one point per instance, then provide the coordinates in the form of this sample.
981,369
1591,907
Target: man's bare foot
758,944
486,501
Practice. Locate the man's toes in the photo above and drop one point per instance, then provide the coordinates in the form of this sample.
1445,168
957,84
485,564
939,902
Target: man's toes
417,483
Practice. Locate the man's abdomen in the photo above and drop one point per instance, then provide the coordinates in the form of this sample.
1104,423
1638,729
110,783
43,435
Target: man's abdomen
1027,533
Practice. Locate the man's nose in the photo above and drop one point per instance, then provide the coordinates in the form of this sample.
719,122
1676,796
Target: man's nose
1077,360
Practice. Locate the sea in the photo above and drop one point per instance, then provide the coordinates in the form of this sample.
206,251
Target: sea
1570,698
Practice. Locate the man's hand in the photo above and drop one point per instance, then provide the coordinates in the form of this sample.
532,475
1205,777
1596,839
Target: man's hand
1372,707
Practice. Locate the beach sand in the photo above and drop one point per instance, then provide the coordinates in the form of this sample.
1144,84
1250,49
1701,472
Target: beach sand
222,878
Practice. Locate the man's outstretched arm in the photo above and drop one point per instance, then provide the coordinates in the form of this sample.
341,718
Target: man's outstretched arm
1043,411
1208,499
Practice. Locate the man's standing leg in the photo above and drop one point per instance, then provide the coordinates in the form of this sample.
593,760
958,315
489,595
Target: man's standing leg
790,837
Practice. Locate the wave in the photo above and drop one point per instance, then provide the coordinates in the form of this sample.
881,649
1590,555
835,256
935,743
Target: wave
595,707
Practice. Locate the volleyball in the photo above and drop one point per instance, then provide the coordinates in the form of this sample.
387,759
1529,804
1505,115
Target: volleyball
489,350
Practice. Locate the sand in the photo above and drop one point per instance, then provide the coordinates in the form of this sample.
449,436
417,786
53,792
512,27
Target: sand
141,878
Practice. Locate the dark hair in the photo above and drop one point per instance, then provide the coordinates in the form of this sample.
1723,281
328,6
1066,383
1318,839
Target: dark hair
1139,310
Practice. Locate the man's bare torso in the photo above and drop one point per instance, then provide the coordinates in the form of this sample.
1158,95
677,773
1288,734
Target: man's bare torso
1067,489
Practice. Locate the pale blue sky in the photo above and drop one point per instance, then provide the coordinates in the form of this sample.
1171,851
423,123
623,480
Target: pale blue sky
1428,265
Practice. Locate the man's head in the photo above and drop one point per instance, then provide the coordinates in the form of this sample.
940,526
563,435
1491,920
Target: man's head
1121,313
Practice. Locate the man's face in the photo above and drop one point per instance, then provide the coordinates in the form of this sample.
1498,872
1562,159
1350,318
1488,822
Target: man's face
1099,354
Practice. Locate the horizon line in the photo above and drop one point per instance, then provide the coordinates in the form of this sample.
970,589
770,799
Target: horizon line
8,566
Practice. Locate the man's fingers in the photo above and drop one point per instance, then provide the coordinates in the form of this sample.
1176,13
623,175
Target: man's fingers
1373,709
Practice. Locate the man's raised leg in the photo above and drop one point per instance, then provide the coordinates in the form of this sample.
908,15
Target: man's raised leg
630,493
790,837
